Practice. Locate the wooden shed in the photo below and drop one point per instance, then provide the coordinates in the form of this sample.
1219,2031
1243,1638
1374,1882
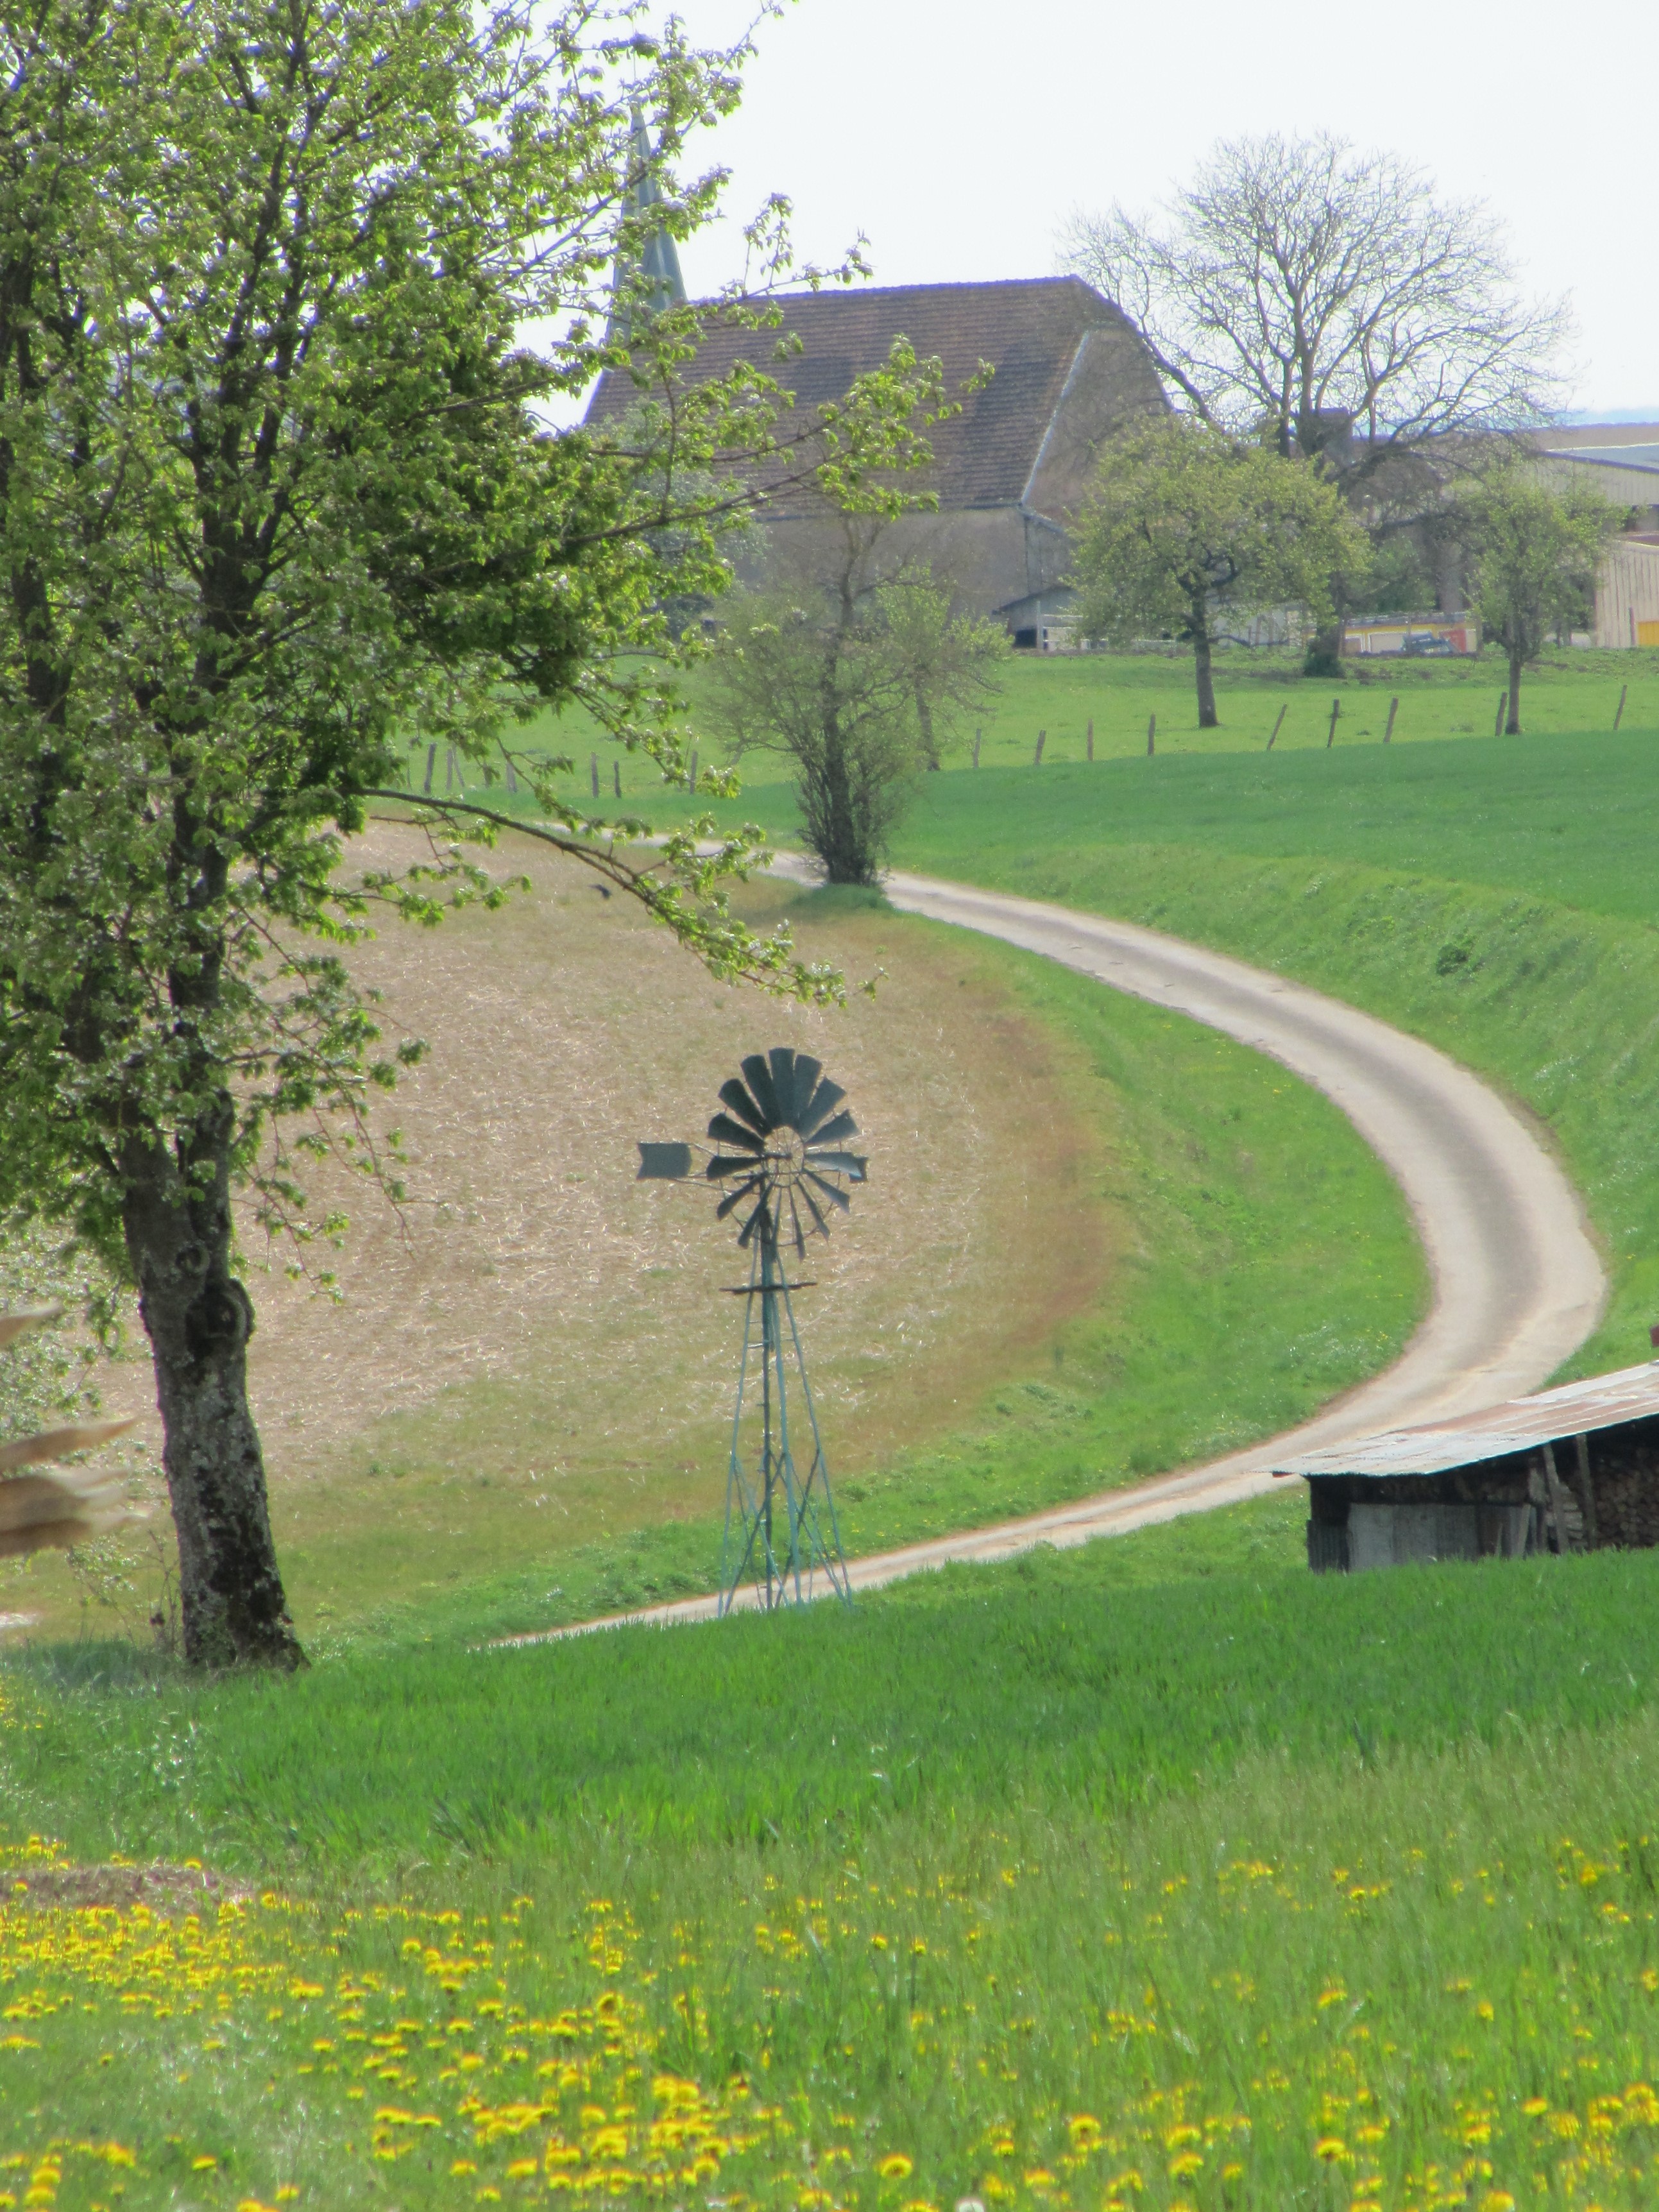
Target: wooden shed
1566,1470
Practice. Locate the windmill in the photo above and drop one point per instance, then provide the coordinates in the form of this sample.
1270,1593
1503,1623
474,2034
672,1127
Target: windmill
780,1162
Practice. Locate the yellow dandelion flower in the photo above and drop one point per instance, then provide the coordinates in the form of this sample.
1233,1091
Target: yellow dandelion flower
205,2164
1535,2106
1331,2149
896,2166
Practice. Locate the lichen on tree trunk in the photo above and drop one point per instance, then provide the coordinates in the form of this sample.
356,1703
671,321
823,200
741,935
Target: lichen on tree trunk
199,1318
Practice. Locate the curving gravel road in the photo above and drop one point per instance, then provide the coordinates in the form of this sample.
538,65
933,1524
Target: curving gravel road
1517,1284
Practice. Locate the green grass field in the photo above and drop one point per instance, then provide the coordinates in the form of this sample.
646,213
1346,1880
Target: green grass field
1497,897
1569,692
1155,1874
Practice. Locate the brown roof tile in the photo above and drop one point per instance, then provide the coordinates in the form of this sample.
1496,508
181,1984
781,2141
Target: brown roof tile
1029,330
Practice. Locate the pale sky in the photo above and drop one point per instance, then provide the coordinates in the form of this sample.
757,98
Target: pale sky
956,138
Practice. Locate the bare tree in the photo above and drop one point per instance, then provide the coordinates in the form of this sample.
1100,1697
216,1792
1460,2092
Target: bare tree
1328,300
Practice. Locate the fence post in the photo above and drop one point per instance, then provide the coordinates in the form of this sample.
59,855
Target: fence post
1618,712
593,771
1330,734
1393,708
1278,726
691,773
1152,734
1091,737
1042,738
431,763
978,734
615,776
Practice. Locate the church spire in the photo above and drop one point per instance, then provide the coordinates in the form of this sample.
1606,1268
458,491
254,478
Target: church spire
659,262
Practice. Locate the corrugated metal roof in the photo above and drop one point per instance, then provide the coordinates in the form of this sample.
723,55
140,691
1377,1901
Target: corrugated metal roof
1602,1401
1645,457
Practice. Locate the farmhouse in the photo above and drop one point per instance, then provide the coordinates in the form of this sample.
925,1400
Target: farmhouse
1566,1470
1009,471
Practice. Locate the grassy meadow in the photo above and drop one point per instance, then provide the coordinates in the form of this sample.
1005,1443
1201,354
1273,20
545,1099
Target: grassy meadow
1155,1875
1061,695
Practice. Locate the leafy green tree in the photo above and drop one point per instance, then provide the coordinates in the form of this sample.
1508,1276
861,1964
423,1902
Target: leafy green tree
1535,553
1185,529
277,494
858,683
950,660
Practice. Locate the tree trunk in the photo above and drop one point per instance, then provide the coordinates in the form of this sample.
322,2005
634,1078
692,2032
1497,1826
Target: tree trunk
198,1319
1512,725
840,847
925,722
1207,717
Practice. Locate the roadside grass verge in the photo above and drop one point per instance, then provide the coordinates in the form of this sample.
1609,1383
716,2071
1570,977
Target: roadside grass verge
1158,1874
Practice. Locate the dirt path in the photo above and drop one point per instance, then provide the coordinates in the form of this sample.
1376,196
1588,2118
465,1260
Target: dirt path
1517,1283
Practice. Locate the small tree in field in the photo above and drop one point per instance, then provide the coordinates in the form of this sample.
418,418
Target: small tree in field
1184,528
1535,555
858,684
278,495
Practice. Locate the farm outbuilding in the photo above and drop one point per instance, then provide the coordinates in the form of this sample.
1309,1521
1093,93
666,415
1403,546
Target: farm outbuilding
1571,1470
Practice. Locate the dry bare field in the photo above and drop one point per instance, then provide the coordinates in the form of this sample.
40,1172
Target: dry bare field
534,1351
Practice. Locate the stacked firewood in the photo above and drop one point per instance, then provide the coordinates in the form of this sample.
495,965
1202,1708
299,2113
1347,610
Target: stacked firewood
1625,1487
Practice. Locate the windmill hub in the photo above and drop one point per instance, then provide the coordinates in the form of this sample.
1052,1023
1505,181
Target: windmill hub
786,1153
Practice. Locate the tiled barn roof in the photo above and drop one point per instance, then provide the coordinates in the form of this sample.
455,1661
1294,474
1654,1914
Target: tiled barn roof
1029,330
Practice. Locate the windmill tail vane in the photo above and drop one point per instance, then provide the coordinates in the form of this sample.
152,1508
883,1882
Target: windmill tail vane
781,1164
